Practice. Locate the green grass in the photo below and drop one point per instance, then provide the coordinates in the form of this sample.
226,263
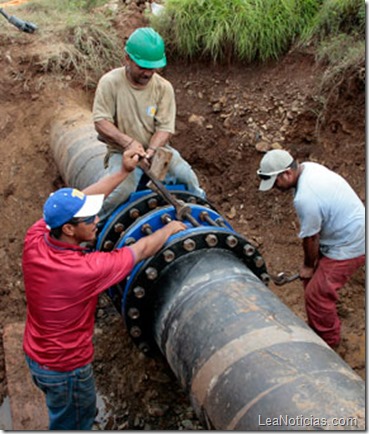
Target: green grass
336,17
233,29
79,42
338,34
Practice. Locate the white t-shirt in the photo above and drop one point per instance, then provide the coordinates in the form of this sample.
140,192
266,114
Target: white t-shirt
326,204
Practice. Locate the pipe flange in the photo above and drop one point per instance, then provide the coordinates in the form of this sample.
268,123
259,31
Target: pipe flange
128,213
140,289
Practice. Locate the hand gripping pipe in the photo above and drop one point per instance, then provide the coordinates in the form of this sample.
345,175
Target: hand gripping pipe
246,361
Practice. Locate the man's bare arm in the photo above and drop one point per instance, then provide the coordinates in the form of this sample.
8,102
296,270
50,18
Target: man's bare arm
111,133
311,256
159,138
107,184
149,245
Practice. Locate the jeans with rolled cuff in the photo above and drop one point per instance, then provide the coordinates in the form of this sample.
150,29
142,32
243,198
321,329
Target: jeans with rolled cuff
70,396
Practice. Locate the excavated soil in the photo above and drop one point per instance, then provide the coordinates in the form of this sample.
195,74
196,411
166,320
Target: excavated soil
227,117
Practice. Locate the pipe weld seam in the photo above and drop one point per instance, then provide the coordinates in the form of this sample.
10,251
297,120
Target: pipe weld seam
207,376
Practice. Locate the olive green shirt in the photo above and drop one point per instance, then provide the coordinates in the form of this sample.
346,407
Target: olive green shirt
139,113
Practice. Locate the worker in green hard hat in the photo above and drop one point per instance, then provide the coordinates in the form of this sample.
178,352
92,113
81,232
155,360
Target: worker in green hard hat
134,108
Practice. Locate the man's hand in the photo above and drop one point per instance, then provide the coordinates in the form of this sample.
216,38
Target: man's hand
148,246
150,153
306,272
173,227
131,158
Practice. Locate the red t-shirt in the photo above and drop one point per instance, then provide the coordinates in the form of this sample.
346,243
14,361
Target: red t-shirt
62,283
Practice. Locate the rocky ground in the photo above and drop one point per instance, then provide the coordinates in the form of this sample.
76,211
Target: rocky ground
227,117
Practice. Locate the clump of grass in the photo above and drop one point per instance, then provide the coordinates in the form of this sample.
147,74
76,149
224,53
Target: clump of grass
77,42
344,57
98,51
338,34
336,17
233,29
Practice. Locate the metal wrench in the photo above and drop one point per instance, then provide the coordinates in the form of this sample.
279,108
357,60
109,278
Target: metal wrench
183,211
282,279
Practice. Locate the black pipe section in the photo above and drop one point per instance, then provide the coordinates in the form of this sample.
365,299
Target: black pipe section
247,362
242,355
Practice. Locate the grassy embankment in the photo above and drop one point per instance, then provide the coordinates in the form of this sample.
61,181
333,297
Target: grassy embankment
85,43
259,30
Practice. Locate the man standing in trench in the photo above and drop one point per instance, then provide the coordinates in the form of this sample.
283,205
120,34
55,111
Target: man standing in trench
135,106
332,228
62,282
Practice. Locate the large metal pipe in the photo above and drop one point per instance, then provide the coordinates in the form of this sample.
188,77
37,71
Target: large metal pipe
247,362
242,355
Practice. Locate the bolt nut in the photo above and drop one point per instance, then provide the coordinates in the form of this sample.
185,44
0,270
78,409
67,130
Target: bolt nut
152,203
146,229
133,313
248,249
144,347
151,273
108,245
259,261
265,278
192,199
134,213
118,228
135,332
169,255
189,245
129,241
166,218
211,240
231,241
203,215
139,292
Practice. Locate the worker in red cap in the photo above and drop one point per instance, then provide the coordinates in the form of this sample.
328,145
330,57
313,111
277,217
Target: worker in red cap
62,281
332,229
134,105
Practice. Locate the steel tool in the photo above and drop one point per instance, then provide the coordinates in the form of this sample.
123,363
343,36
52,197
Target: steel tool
281,278
25,26
183,211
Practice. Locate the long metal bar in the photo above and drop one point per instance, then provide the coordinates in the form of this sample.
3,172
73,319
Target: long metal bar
182,211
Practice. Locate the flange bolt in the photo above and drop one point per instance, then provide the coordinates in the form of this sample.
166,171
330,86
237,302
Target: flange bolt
231,241
133,313
168,255
135,332
139,292
118,228
211,240
189,244
134,213
259,261
151,273
108,245
248,249
152,203
265,278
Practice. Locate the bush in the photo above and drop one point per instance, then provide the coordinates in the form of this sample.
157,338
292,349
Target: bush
336,17
233,29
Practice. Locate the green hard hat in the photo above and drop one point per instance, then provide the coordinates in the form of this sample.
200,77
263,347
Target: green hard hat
146,48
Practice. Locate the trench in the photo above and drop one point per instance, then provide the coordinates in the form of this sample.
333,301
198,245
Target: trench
203,302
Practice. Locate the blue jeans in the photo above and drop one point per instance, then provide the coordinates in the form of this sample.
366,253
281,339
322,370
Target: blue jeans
70,396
